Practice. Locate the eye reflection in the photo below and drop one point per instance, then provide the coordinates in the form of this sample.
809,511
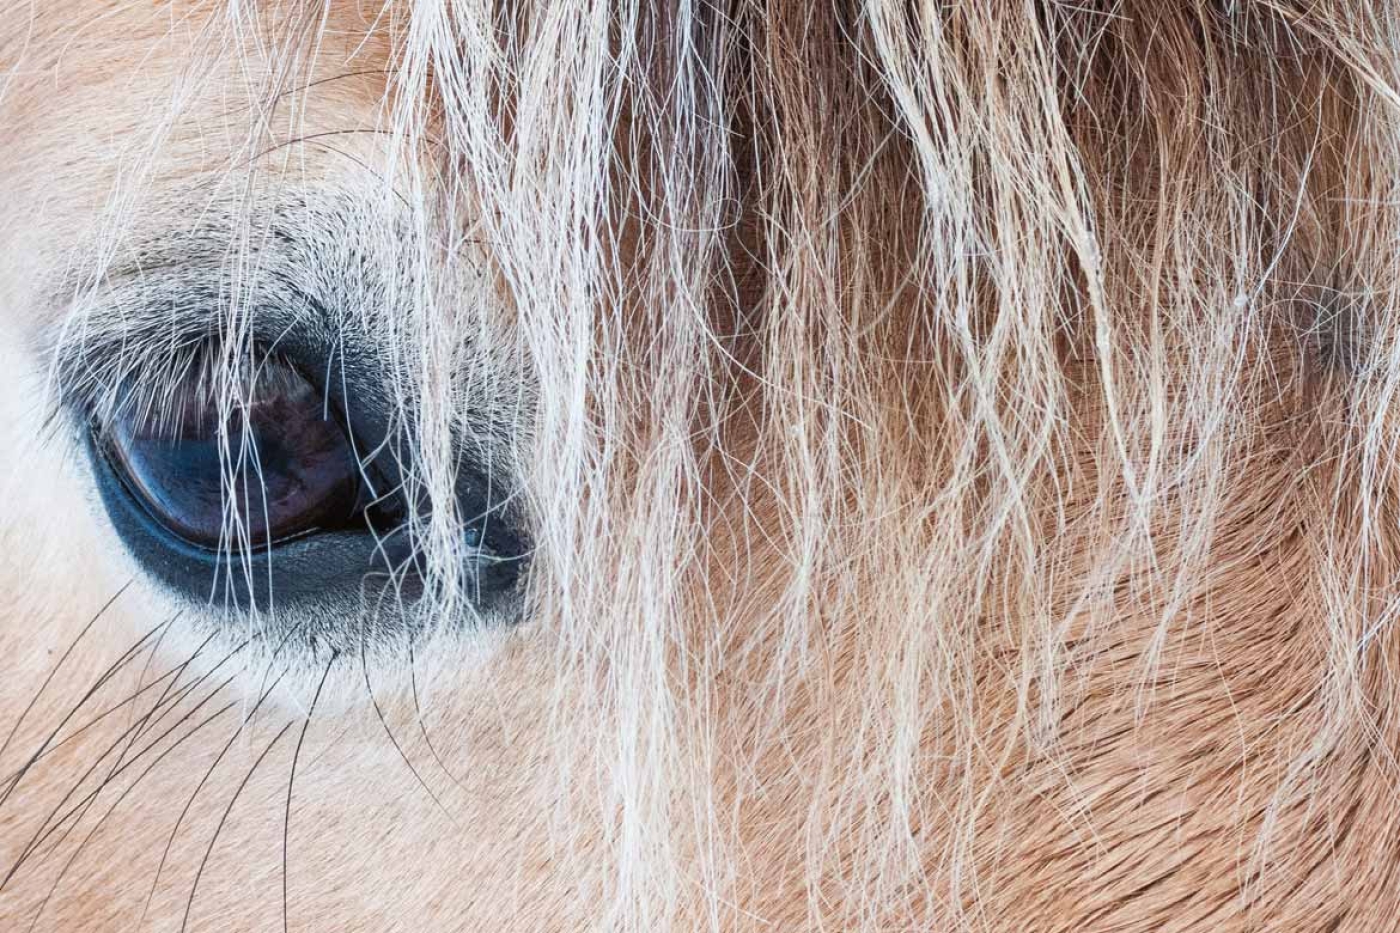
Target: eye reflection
287,465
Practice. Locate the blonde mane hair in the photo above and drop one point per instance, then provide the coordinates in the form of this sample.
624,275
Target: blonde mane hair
930,418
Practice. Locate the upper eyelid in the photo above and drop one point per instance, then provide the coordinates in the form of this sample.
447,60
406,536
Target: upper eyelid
289,257
318,274
134,333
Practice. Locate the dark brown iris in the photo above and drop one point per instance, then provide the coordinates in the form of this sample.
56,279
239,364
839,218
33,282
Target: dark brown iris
284,467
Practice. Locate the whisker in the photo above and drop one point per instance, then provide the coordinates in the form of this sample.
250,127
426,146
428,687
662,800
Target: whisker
199,873
135,730
422,726
94,721
98,685
291,779
48,827
155,652
162,737
393,740
176,671
126,792
4,747
184,812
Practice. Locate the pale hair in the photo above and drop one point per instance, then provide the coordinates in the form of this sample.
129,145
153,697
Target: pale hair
892,390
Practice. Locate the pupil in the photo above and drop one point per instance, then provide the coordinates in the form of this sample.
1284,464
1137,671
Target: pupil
280,469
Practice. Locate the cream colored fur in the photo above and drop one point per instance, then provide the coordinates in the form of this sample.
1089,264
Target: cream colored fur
959,442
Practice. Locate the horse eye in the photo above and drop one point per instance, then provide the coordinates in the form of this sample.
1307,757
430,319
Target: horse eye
281,468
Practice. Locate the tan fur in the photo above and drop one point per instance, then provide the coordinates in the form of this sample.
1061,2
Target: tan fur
959,439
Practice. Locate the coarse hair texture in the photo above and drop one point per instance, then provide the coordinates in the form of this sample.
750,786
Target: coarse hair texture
929,419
